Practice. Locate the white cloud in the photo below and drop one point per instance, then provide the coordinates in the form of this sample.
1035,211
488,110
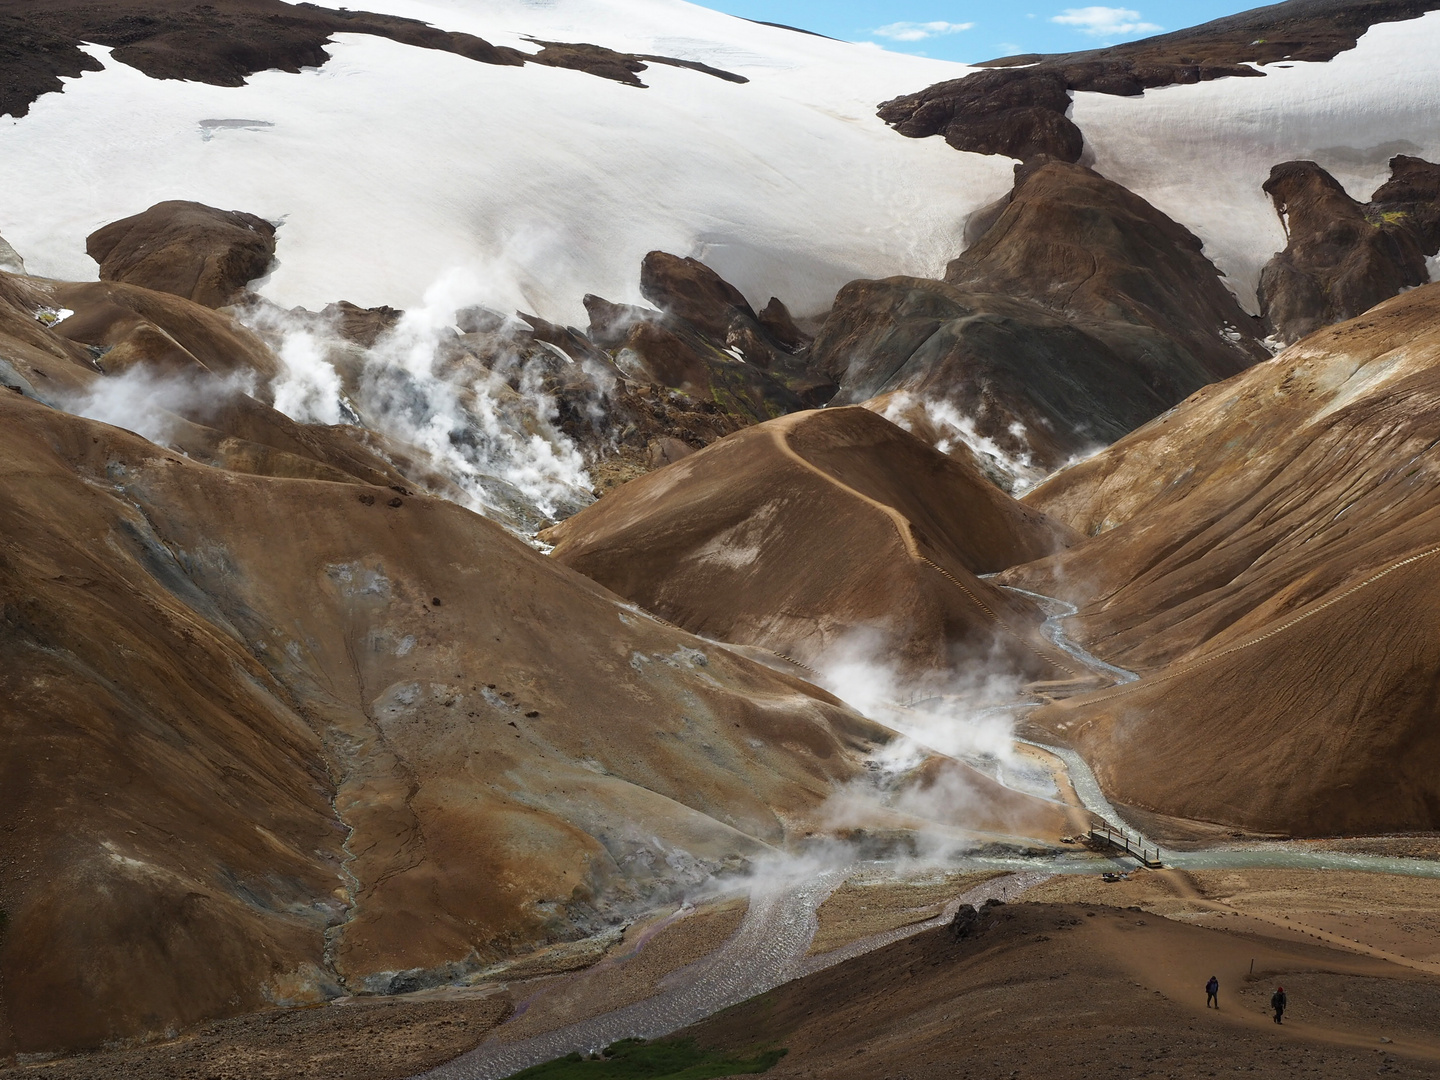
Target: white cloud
1105,21
913,31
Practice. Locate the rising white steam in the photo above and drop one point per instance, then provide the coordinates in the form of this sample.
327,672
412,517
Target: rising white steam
958,713
308,387
479,418
964,714
1016,473
154,404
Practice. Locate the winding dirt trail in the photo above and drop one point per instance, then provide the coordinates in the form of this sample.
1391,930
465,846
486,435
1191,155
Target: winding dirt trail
768,949
780,431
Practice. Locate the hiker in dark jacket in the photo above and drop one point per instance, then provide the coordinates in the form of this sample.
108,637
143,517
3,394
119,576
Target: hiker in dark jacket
1277,1002
1212,992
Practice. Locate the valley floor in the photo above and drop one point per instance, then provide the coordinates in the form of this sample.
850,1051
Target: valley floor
1077,976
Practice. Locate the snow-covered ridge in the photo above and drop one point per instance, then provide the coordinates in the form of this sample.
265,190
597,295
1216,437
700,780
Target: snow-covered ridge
1201,153
391,166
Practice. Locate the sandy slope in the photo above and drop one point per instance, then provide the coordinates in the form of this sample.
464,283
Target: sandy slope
1264,556
270,737
1072,991
799,533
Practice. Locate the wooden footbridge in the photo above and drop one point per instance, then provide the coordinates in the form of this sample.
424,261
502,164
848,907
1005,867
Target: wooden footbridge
1103,836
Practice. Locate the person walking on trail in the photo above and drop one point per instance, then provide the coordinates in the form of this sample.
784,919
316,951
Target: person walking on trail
1212,992
1277,1002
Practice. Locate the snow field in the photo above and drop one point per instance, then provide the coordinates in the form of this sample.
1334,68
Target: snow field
392,166
1200,153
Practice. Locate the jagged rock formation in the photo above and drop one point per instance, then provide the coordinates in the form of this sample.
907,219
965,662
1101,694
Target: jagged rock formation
1078,314
1263,554
186,248
1018,108
1344,257
269,738
799,533
707,341
1412,195
225,42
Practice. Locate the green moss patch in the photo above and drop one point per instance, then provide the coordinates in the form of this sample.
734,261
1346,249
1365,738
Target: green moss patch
636,1059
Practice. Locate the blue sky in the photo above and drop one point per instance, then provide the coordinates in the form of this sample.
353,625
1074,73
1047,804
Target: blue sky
970,31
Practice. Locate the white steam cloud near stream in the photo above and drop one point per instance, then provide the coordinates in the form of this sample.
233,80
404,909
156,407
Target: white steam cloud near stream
962,713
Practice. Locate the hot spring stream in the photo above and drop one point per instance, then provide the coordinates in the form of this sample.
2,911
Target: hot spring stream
770,946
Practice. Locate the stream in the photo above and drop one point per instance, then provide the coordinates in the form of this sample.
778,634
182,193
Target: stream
774,936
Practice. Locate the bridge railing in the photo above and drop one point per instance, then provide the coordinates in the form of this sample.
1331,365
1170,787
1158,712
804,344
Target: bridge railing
1116,838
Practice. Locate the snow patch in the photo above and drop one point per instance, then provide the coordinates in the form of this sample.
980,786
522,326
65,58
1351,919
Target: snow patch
1200,153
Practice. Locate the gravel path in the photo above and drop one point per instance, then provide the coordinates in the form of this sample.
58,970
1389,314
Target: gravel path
761,955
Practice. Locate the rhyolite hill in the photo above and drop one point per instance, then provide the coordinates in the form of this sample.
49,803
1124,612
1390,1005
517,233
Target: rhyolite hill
408,567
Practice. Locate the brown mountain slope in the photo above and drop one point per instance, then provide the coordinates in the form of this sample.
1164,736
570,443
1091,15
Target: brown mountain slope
1073,991
795,534
1264,553
265,739
1078,313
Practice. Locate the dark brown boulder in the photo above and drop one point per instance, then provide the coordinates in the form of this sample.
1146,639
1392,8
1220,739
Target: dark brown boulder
1018,113
690,290
781,326
186,248
1411,197
1342,258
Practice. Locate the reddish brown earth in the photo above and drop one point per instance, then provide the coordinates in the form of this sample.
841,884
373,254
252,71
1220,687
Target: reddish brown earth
795,534
1079,990
272,737
1263,554
186,248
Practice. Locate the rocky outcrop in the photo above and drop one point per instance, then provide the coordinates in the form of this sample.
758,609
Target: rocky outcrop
186,248
1080,313
617,66
1082,245
10,261
1019,114
225,42
1411,197
1018,108
707,341
1263,555
1344,257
